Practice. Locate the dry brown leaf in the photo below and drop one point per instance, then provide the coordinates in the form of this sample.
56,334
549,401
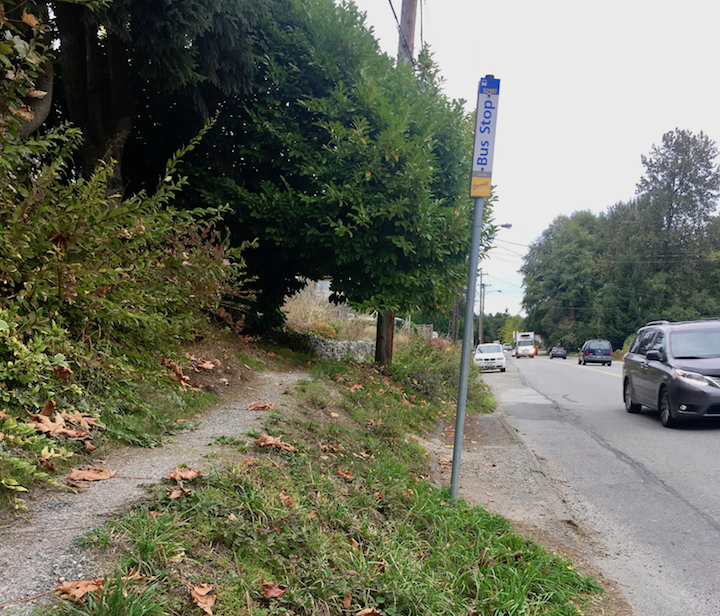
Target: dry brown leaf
76,590
178,558
259,406
23,112
311,515
183,474
30,20
174,494
333,414
248,461
347,474
206,365
232,517
92,473
224,381
370,611
48,409
63,373
346,602
355,387
84,420
46,465
339,378
266,440
287,500
271,590
202,597
332,448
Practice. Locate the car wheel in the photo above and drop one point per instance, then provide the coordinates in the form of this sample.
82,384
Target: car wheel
630,405
502,369
579,361
666,415
609,363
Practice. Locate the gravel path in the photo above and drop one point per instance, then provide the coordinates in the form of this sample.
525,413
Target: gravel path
38,550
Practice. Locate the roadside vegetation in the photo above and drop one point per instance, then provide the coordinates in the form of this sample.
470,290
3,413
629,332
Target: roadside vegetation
331,510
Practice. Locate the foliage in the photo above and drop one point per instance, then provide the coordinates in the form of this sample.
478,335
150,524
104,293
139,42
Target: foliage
91,286
432,368
652,258
352,168
339,521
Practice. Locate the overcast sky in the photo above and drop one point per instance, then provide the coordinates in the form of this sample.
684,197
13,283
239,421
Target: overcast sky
586,89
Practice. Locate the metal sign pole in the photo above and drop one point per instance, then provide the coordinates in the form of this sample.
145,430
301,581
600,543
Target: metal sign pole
467,347
480,187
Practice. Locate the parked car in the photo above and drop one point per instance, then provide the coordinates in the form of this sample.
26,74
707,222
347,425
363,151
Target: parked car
558,352
490,357
595,352
674,368
507,346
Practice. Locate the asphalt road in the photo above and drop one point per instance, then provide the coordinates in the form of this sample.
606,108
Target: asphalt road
652,493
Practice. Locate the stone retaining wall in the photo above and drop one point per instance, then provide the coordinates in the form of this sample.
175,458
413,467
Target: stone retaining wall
342,350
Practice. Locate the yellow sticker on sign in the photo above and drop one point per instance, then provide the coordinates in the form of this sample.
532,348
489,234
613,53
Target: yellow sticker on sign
480,187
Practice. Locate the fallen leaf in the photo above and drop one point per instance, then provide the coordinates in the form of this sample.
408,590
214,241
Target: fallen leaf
287,500
63,373
224,381
259,406
202,597
248,461
355,387
174,494
271,590
266,440
232,517
48,409
183,474
30,20
370,611
76,590
346,602
311,515
90,474
334,415
178,558
46,465
206,365
347,474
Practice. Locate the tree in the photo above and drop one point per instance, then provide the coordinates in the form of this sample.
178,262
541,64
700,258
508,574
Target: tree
561,279
116,57
352,168
682,179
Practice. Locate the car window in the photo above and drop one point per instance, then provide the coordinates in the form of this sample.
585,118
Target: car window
659,343
489,348
635,343
645,341
600,344
696,344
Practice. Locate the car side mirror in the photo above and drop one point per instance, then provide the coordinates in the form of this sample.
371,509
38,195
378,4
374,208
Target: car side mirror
653,356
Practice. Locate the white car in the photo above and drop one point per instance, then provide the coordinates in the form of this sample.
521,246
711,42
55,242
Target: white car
490,357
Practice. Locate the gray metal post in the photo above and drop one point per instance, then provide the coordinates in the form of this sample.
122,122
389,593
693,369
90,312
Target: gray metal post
467,347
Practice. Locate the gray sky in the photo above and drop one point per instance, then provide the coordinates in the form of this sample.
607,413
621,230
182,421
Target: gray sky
586,89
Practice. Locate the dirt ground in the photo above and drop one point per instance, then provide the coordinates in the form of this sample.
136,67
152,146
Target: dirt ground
38,549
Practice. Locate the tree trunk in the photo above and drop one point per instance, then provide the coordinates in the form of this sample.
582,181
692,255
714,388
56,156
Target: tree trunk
384,338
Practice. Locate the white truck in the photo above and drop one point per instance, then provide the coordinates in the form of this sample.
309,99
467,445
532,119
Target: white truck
525,344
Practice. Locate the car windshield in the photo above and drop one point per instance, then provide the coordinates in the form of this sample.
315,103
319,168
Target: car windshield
525,343
695,345
489,348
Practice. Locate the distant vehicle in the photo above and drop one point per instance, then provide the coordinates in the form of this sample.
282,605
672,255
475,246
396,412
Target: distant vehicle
507,346
525,344
595,352
674,368
558,352
490,357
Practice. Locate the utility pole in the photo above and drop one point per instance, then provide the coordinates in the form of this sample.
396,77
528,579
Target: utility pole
386,321
407,31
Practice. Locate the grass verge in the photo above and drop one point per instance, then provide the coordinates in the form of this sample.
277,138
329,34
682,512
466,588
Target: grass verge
337,518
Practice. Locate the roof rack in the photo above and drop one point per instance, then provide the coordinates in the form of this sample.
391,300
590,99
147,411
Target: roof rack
657,323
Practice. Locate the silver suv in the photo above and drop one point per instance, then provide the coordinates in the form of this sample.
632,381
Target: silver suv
674,368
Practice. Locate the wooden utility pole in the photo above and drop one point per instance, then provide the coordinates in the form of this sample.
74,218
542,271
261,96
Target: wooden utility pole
386,320
407,30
